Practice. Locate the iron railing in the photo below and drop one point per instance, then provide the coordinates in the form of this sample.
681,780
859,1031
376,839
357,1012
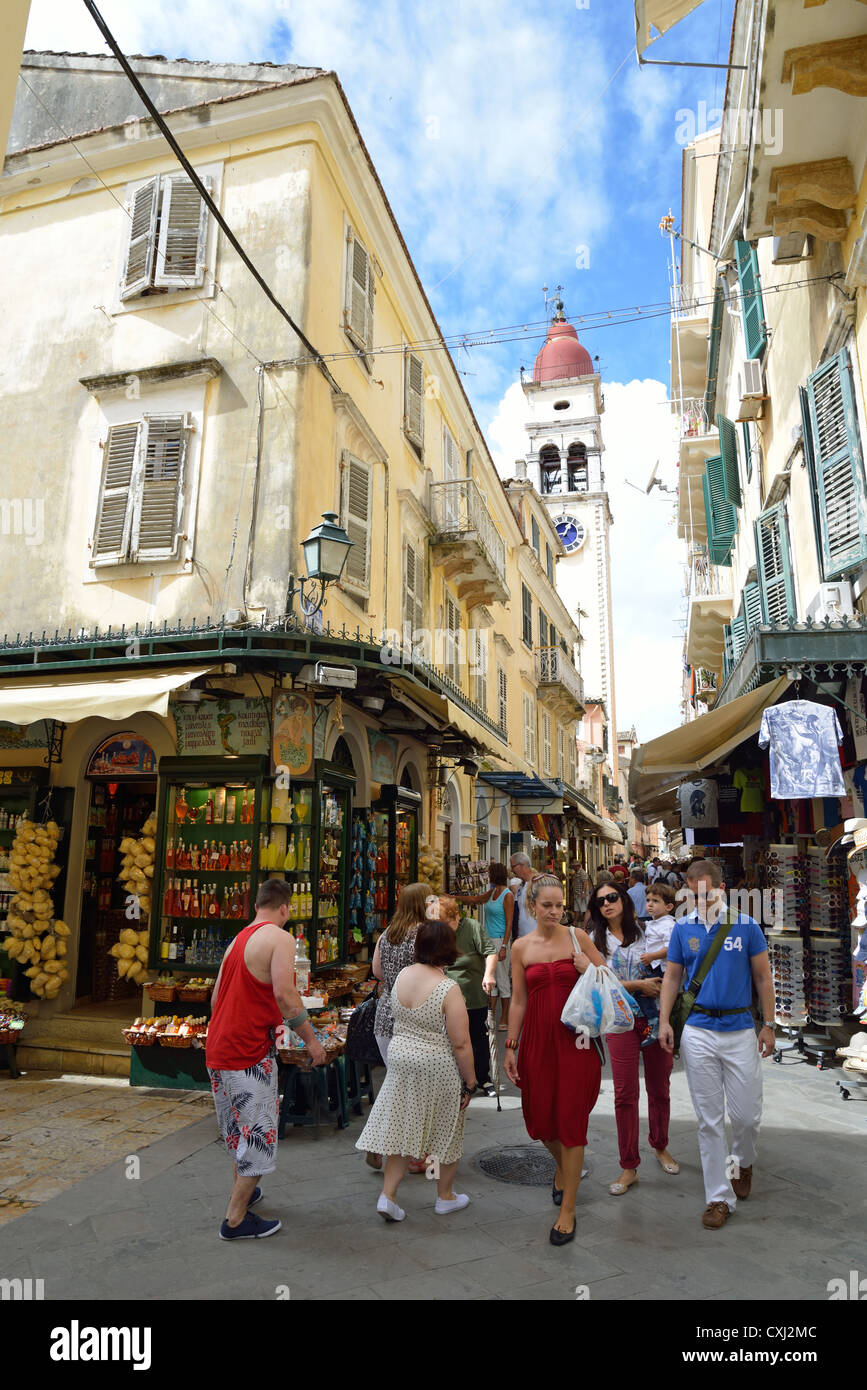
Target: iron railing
458,509
553,668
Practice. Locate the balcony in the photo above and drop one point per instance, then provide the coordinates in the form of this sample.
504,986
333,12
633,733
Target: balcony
690,329
466,544
561,688
710,608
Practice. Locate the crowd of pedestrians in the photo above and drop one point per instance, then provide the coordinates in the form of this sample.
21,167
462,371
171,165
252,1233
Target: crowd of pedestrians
441,973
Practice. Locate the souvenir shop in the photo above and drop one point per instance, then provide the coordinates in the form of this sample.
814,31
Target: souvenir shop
773,785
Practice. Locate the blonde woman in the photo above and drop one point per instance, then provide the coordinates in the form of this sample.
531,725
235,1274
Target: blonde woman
395,950
559,1081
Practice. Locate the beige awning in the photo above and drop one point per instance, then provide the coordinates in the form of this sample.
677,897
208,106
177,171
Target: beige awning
660,15
112,696
659,765
606,828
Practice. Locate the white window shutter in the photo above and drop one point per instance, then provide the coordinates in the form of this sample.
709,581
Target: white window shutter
413,587
357,486
529,729
158,511
561,754
358,308
413,398
453,627
546,744
114,513
502,703
141,247
451,457
183,233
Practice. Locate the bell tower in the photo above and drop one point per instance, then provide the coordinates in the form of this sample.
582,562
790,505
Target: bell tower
564,463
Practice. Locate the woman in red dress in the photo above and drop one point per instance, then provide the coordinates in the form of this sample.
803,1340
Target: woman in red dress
559,1082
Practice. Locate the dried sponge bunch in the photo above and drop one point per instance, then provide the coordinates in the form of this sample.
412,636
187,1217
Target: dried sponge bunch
38,938
430,867
136,875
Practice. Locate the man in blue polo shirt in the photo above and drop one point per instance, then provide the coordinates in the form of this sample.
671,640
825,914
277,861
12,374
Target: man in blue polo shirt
721,1054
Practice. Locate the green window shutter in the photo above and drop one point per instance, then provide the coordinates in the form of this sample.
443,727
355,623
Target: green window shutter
722,522
775,566
748,451
738,637
543,629
526,615
838,465
751,601
752,308
728,443
727,651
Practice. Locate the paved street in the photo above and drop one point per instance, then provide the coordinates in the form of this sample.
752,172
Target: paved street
156,1238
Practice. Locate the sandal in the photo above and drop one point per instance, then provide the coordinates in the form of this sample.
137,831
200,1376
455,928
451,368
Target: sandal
617,1189
673,1167
374,1161
417,1165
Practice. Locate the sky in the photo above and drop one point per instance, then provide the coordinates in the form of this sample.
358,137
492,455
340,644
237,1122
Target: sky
520,145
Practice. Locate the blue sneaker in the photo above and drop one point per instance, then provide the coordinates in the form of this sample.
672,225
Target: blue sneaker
256,1197
251,1228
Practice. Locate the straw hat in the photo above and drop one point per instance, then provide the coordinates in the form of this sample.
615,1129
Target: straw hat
854,834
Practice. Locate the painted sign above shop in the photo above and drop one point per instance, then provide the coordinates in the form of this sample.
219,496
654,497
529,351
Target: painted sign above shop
24,735
221,727
293,732
122,755
383,756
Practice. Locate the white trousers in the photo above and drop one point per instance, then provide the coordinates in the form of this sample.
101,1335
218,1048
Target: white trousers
724,1069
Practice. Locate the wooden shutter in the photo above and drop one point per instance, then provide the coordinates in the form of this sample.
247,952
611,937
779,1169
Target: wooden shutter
774,565
413,587
752,308
141,247
549,565
738,637
158,508
571,756
721,516
727,651
838,466
534,532
526,615
502,700
546,744
183,233
114,513
358,308
413,398
529,728
453,627
543,629
357,482
751,601
728,443
561,754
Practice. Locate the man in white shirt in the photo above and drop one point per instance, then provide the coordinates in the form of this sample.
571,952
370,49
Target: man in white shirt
522,869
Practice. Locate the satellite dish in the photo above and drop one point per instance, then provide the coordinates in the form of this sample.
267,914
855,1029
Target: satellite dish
649,487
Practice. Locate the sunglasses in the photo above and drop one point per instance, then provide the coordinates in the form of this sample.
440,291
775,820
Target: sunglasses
609,898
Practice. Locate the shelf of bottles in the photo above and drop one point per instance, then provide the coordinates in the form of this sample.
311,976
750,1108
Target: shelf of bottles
286,851
208,854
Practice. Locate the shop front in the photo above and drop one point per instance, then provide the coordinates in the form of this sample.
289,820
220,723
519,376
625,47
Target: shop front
765,785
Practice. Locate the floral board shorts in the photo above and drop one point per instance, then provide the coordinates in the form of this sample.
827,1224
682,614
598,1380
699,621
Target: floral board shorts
246,1103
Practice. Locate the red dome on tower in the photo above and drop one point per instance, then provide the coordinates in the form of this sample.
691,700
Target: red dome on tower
562,356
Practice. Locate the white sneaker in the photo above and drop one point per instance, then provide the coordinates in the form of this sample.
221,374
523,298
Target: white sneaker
389,1210
457,1203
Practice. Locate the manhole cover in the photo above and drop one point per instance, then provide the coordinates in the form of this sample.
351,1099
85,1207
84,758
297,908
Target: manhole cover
527,1164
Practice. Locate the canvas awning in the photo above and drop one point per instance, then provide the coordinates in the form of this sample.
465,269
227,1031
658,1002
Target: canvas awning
606,828
660,15
112,696
661,764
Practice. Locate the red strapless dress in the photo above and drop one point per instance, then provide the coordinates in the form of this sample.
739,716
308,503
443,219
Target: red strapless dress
559,1082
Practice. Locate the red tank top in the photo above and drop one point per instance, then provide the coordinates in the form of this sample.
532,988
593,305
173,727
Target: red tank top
239,1033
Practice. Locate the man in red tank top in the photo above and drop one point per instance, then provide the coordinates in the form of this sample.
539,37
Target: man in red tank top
255,992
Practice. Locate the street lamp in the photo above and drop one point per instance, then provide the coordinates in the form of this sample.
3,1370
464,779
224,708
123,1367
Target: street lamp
326,551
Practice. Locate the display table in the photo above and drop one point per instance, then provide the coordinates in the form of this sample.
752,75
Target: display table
310,1093
175,1068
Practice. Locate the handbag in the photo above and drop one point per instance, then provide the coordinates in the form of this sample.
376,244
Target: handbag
598,1003
361,1045
684,1003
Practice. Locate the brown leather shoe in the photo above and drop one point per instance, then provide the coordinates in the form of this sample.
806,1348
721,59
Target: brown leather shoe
715,1215
741,1186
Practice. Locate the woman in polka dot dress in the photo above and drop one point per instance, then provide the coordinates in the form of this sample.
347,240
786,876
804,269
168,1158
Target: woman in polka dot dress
420,1108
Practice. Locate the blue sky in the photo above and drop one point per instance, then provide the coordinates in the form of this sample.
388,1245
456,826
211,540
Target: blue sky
509,151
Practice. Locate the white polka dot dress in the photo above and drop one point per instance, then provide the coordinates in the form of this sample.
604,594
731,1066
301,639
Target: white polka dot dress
418,1111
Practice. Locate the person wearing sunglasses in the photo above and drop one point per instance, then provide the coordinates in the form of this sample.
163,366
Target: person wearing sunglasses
721,1054
619,939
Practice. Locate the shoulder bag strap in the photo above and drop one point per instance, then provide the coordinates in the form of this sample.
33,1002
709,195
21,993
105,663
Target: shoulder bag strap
715,947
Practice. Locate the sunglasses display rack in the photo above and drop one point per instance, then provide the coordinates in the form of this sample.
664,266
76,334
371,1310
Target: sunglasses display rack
786,875
829,981
788,957
829,894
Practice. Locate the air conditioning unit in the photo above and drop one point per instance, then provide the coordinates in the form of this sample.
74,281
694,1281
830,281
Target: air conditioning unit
751,389
833,601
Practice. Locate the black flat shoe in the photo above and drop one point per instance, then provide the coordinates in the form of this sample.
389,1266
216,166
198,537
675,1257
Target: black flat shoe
556,1193
561,1237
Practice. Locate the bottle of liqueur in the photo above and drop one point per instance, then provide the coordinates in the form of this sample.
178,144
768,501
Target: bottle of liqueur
164,945
170,852
214,902
291,859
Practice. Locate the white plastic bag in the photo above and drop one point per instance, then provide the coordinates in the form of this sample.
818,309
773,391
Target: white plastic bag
599,1004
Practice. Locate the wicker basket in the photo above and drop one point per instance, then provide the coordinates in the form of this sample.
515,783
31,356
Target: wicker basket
300,1057
136,1038
193,995
161,994
174,1040
10,1035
